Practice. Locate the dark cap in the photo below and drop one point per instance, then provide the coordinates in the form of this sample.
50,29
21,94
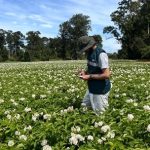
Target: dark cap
86,42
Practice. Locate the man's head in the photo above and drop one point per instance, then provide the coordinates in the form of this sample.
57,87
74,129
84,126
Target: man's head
86,42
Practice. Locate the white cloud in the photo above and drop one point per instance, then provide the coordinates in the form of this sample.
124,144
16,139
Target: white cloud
10,14
13,14
47,25
43,6
37,17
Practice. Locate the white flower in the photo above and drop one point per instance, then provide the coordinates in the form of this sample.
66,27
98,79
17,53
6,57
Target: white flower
135,104
23,137
130,101
130,117
6,112
9,116
65,110
17,116
62,112
73,140
70,109
75,129
124,94
11,143
84,109
28,128
148,128
44,142
105,128
90,138
83,104
1,101
13,110
27,109
79,137
98,124
134,0
41,113
22,99
35,116
100,141
17,133
110,134
117,95
146,107
122,112
47,116
104,139
33,95
42,96
47,147
14,103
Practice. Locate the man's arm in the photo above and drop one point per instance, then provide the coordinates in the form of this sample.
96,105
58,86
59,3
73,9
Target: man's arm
105,75
104,65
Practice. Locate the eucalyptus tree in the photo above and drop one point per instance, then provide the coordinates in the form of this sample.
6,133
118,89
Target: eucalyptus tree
64,32
34,45
3,50
127,29
80,25
18,41
9,41
77,26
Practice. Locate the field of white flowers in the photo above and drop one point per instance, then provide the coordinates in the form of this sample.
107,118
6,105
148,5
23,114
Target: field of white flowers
40,108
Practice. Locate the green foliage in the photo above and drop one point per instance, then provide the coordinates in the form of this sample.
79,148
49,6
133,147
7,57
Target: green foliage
27,56
146,52
41,101
131,28
3,54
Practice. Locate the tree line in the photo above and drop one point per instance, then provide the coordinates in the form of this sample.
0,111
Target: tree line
33,47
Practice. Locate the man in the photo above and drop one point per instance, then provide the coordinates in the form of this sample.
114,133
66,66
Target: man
97,75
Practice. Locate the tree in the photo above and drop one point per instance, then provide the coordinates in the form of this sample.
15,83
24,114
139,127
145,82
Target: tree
129,26
9,40
18,44
55,47
3,50
2,38
34,45
65,36
77,26
26,56
80,25
45,51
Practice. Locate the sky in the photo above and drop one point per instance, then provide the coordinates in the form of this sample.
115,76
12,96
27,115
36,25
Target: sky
46,16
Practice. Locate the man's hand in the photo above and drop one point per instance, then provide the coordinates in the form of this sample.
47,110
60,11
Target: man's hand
85,77
81,72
